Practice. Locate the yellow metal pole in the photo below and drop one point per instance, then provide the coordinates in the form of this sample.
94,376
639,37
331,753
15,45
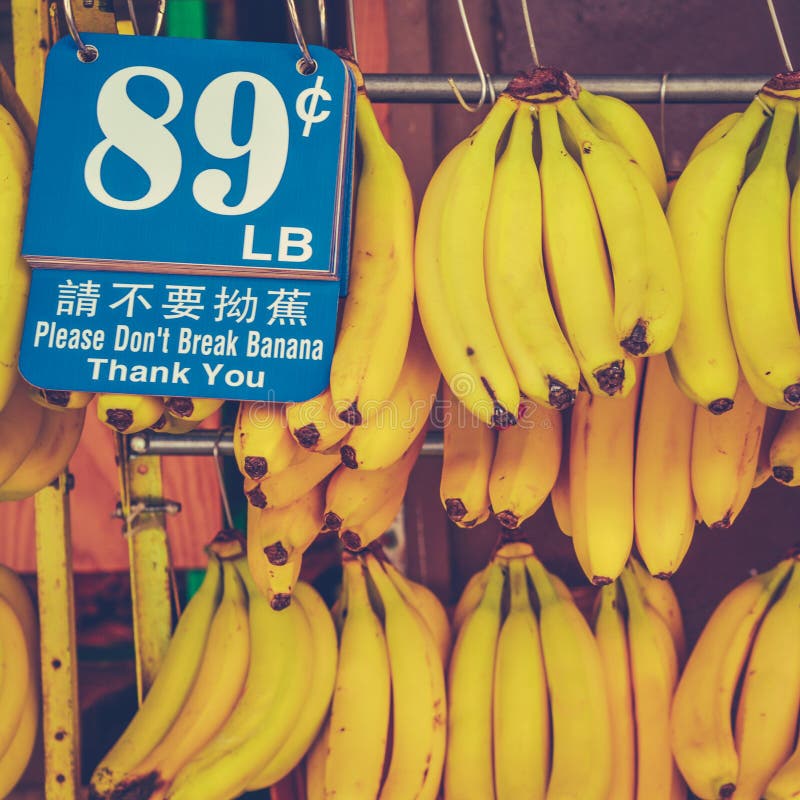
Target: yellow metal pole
148,551
60,709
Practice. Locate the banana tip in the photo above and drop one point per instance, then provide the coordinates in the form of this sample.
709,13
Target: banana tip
255,467
721,405
783,474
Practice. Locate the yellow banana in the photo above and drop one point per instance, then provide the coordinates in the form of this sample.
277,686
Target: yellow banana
15,176
275,691
621,123
784,454
276,541
469,598
427,605
714,134
55,443
612,641
761,302
16,672
169,691
262,443
359,721
308,725
653,684
521,717
577,266
353,496
418,688
601,464
315,766
766,717
647,288
559,494
451,293
469,446
128,413
357,536
58,401
701,731
392,428
664,509
578,701
376,324
20,423
314,423
794,217
725,456
772,425
192,409
660,596
525,465
14,761
215,691
291,484
703,359
469,771
516,285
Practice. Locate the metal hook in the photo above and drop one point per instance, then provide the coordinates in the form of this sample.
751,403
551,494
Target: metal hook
86,52
157,23
309,66
663,115
323,22
529,30
779,33
484,76
221,478
351,16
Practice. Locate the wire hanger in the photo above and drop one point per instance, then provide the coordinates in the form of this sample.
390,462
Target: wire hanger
486,84
779,33
529,30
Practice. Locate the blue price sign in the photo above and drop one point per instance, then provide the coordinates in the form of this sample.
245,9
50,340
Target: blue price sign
207,167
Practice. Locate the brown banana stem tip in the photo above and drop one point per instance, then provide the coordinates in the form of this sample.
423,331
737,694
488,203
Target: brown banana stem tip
119,418
349,458
663,576
351,415
727,791
720,405
455,508
56,398
138,789
636,342
280,601
255,467
159,423
508,519
723,523
782,82
307,436
502,419
351,540
182,406
542,81
791,394
332,521
276,554
561,397
228,544
600,580
611,378
783,474
257,498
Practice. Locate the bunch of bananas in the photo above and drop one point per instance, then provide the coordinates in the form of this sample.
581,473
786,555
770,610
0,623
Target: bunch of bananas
239,698
38,441
734,206
573,202
19,679
639,630
735,712
131,413
387,730
527,699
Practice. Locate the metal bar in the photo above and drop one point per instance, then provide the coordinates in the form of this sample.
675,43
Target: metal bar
424,88
201,443
60,709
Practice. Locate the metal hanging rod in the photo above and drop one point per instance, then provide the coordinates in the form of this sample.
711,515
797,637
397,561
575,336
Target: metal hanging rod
424,88
201,443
